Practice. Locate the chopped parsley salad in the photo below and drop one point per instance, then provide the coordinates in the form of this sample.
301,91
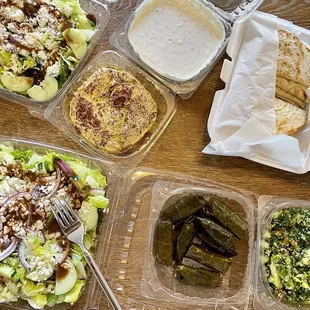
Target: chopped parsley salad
41,43
287,255
37,263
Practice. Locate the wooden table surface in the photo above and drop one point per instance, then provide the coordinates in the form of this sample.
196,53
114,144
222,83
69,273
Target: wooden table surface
179,148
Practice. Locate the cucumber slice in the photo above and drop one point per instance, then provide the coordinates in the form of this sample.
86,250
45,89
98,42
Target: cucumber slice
89,216
77,41
45,92
16,83
65,283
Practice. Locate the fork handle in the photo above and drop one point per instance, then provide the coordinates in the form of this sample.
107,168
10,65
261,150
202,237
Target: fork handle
102,281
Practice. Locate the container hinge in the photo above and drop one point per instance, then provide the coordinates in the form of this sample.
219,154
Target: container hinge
246,7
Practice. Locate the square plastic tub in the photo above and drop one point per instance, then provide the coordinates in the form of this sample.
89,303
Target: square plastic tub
101,12
57,112
130,264
263,298
110,172
185,89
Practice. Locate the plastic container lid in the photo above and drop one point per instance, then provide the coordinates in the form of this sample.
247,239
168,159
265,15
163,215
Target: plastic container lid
226,15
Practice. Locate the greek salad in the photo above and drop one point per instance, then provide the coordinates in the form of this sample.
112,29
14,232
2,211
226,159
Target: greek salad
37,263
41,43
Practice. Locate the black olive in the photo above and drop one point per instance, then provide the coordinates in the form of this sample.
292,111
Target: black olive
34,73
92,18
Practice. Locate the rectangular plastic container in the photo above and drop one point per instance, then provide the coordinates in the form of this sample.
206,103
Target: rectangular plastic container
268,206
110,171
57,112
226,13
101,12
130,264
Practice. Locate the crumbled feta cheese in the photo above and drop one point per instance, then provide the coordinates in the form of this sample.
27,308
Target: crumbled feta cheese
42,55
67,10
18,15
54,72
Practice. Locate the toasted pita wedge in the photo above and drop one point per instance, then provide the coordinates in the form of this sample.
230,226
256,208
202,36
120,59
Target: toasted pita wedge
289,118
293,72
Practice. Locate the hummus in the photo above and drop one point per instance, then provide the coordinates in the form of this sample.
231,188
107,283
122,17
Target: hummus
176,38
113,111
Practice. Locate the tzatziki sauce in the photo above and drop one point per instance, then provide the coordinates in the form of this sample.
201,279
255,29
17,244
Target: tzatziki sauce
176,38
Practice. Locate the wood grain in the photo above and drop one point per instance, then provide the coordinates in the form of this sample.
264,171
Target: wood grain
179,149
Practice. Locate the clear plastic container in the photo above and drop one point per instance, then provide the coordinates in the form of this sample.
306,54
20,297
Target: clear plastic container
267,207
130,264
57,112
101,12
225,13
110,171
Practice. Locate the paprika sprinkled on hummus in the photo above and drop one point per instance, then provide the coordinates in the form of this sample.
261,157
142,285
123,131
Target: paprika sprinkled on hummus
113,111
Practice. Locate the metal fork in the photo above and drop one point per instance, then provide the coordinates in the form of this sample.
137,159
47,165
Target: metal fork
73,229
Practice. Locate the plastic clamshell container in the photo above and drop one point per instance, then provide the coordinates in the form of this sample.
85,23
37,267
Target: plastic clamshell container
130,264
263,297
110,171
101,12
58,112
185,89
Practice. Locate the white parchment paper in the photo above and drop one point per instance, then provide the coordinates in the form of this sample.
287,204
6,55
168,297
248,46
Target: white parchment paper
242,119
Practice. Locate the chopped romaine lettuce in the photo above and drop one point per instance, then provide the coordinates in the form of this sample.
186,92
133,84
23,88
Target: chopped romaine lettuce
93,178
51,156
23,155
51,300
5,58
28,63
71,8
5,154
75,293
99,202
38,302
31,289
63,73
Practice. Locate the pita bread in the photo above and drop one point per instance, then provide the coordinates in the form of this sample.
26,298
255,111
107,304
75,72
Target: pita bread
293,72
282,94
289,118
293,59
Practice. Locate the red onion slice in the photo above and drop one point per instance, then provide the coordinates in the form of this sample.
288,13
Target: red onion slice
96,192
21,256
56,187
64,167
9,250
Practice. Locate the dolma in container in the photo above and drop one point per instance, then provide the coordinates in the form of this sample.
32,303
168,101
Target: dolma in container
230,220
184,240
217,237
163,243
182,208
197,276
215,261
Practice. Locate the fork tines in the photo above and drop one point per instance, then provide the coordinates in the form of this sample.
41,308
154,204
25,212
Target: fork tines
64,214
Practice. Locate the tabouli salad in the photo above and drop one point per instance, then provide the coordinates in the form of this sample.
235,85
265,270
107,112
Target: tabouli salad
41,43
37,263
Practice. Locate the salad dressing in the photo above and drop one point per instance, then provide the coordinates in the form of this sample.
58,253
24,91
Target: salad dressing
61,272
177,38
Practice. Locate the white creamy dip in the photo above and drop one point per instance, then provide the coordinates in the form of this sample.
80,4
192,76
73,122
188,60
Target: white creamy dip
176,38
